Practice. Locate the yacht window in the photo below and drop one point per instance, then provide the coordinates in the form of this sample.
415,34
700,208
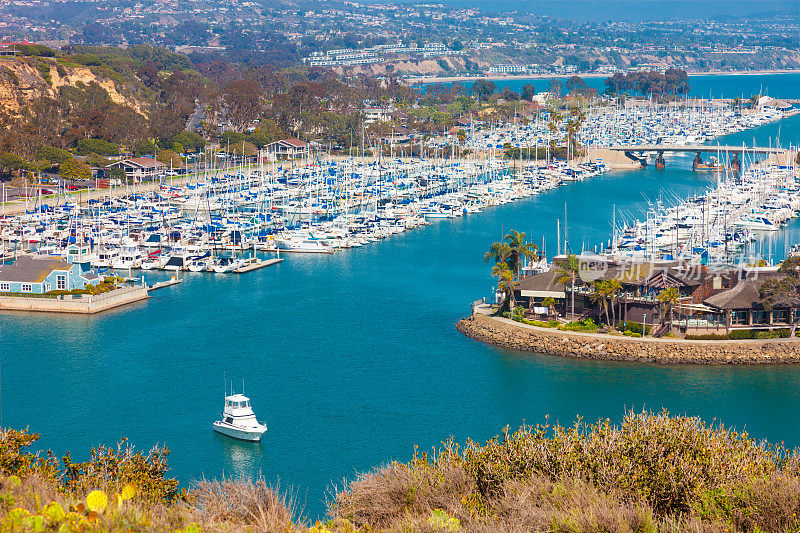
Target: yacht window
229,420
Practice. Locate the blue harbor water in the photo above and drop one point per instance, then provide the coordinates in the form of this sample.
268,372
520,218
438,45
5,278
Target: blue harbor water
353,358
701,86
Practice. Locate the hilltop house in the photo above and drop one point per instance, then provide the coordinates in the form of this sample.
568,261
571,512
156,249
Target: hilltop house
288,149
139,169
38,275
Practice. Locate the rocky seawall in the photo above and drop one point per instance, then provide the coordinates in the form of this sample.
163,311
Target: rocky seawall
508,334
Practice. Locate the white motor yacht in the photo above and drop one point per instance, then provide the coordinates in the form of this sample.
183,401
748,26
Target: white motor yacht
239,421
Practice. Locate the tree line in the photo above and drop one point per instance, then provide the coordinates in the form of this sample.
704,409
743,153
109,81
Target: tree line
672,82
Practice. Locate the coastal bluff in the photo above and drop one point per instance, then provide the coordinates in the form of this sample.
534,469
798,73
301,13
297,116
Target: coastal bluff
506,333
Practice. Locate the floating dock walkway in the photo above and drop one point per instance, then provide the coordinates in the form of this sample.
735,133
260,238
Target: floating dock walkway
163,284
255,264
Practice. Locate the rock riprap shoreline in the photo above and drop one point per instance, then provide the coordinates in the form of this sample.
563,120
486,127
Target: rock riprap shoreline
509,334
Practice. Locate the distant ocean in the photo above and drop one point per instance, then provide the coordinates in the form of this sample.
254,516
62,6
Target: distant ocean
702,86
633,10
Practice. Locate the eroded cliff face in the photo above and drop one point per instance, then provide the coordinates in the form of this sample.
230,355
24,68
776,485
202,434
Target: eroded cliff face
23,79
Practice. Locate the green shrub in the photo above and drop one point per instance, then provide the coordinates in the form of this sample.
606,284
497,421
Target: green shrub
740,334
38,50
632,334
636,327
44,70
767,335
651,473
537,323
86,59
584,325
707,337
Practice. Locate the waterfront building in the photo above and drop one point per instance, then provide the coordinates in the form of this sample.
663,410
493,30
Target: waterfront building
139,169
36,275
288,149
710,300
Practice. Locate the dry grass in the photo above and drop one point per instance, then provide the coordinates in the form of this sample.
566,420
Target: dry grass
377,499
243,504
652,473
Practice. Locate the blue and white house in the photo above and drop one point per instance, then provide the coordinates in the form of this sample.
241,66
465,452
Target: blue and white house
38,275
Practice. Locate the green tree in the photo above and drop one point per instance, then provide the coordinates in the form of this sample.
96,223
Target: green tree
10,162
528,92
55,155
170,158
599,295
613,288
96,160
550,303
669,301
505,284
244,148
512,251
483,89
145,147
191,142
97,146
784,291
568,273
72,169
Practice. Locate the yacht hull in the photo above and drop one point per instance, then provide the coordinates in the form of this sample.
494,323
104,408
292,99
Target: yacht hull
241,434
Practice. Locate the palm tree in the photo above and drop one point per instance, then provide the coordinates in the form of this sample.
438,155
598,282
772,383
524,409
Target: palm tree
511,251
613,287
498,252
599,295
505,283
461,135
567,273
549,302
669,299
519,249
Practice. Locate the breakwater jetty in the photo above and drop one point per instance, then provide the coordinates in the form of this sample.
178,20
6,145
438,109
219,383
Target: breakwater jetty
509,334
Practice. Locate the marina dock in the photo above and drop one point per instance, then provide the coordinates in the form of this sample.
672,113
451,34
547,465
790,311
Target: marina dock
164,284
256,264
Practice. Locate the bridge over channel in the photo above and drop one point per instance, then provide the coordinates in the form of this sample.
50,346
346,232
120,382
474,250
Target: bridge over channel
634,153
696,149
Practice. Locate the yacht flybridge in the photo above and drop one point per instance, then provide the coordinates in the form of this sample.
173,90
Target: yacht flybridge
239,421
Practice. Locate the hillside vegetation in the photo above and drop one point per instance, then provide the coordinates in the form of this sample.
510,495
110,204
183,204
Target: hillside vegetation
651,473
